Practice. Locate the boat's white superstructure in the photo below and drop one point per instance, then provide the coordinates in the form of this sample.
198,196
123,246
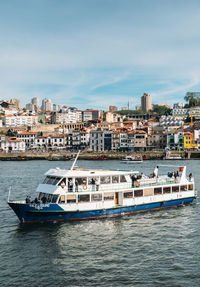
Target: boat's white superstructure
131,159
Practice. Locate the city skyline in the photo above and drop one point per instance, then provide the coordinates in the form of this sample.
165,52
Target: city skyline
99,53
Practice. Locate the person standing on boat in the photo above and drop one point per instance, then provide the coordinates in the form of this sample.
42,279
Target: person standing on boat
156,171
76,185
97,184
70,185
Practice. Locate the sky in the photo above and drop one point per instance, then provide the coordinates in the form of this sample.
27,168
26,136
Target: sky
96,53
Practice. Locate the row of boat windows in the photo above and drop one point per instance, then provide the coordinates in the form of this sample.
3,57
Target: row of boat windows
127,194
71,198
91,180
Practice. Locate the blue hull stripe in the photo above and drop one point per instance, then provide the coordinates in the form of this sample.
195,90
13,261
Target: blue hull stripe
54,212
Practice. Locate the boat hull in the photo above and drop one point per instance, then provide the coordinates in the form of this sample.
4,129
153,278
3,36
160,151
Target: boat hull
53,212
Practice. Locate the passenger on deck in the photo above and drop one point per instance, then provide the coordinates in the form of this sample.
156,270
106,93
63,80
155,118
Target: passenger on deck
97,184
44,199
70,185
62,184
36,201
156,172
28,199
133,178
190,176
76,185
93,184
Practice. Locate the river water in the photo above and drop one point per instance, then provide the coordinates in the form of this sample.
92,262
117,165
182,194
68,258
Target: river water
147,249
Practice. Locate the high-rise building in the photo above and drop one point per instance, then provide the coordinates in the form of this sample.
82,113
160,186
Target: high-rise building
146,102
36,104
112,109
47,105
16,103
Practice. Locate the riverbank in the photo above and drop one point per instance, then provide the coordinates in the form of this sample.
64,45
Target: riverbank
152,155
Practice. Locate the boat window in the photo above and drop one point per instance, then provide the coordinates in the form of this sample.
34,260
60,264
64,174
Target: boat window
51,180
122,178
183,187
167,189
71,198
138,193
190,186
157,190
81,180
54,198
175,188
105,179
96,197
83,198
92,180
115,179
108,196
49,197
128,194
148,191
62,199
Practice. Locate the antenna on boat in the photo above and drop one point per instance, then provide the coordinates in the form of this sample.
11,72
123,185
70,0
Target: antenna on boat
75,160
9,190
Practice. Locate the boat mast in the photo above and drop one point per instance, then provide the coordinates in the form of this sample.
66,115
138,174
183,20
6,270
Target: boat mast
75,160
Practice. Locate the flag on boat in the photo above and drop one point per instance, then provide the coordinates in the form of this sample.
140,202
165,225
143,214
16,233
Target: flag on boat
180,169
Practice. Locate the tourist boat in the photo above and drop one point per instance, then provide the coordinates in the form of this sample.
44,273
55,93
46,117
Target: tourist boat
77,194
131,159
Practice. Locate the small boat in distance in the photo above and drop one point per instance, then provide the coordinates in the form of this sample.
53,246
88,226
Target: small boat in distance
131,159
78,194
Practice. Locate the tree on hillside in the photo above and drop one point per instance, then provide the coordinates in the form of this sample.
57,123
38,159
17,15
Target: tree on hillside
162,110
192,99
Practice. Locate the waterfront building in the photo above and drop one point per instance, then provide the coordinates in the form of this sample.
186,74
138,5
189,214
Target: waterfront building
146,104
157,141
175,140
140,140
189,142
28,138
12,145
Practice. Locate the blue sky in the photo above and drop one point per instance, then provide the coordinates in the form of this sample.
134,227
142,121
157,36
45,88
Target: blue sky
96,53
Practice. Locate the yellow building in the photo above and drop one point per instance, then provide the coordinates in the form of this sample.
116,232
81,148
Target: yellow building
189,142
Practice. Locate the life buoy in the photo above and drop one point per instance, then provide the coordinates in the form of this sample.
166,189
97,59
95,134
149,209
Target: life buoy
84,187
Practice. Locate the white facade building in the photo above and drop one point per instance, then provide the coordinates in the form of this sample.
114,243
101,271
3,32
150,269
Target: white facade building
13,145
20,120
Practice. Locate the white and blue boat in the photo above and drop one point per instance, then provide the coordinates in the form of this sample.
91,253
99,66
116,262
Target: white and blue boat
78,194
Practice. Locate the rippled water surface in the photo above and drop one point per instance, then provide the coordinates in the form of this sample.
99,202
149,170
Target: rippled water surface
147,249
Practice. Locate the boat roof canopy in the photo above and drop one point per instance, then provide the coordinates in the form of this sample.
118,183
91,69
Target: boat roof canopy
86,172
